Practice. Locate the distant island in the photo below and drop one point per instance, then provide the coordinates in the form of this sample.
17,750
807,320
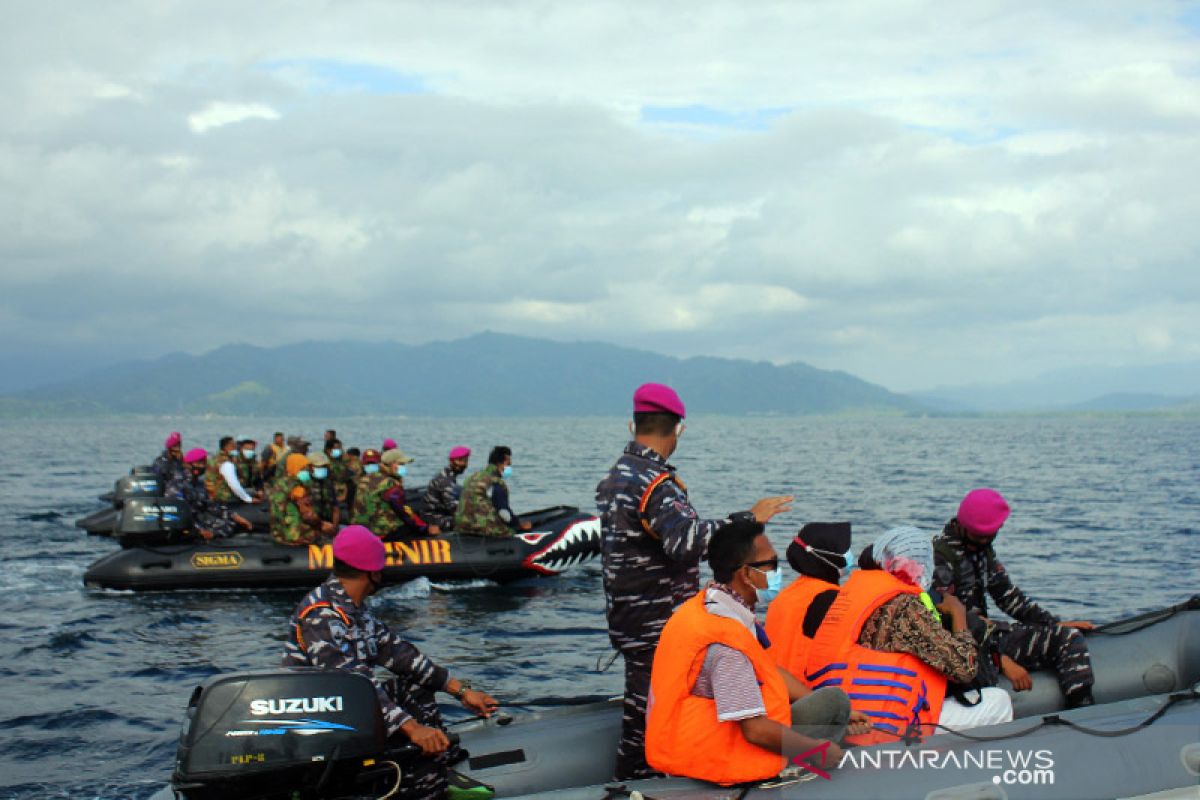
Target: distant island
487,374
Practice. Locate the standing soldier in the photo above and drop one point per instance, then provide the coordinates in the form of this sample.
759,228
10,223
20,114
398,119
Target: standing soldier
653,543
441,495
293,520
966,566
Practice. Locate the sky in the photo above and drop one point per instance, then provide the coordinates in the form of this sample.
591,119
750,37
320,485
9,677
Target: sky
921,194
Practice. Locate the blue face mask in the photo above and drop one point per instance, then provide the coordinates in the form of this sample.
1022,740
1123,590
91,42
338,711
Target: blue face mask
303,477
370,469
320,473
335,453
248,455
506,473
401,471
849,558
774,584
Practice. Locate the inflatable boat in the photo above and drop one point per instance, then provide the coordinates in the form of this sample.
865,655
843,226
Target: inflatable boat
243,738
159,553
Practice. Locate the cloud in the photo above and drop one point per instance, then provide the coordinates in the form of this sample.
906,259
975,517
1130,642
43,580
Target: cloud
219,114
1011,189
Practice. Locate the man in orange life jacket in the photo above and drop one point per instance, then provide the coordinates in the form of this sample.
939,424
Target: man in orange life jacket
721,709
882,641
653,543
821,554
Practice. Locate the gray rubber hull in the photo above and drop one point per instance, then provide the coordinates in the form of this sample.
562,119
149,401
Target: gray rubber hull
569,753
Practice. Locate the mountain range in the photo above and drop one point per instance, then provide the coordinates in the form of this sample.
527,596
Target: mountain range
487,374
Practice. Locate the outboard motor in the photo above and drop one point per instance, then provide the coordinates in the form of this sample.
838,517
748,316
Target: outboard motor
153,520
300,733
136,485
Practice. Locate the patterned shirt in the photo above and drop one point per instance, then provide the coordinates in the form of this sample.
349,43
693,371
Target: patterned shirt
904,625
970,574
647,575
337,634
727,675
441,498
166,468
207,513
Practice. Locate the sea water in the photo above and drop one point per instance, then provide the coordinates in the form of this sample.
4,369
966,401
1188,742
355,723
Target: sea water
93,684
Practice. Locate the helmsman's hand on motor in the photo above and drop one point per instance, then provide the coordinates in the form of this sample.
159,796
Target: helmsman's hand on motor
431,740
481,703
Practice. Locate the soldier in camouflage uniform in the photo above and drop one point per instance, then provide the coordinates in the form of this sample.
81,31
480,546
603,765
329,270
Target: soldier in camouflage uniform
483,507
169,463
965,565
218,487
653,543
379,499
209,517
342,475
246,461
442,492
323,489
332,628
293,520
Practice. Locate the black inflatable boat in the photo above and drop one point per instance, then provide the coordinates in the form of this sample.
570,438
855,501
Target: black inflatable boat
141,484
159,554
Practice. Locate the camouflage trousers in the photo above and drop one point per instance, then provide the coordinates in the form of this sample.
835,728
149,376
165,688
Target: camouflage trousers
631,751
424,777
1053,647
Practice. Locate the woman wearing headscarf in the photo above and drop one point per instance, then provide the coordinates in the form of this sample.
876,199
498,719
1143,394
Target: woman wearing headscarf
883,643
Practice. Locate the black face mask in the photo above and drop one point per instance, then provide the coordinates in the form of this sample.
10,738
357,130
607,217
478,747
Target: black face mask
375,585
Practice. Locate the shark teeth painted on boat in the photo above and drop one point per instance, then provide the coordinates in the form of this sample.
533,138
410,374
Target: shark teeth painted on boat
578,543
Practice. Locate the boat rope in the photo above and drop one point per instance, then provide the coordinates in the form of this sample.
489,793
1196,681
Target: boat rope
1138,623
399,777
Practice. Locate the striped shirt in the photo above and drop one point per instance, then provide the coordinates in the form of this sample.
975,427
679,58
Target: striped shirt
727,676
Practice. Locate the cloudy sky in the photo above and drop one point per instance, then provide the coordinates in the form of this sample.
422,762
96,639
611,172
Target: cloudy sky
917,193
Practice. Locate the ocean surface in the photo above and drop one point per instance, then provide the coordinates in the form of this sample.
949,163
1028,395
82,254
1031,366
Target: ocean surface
93,684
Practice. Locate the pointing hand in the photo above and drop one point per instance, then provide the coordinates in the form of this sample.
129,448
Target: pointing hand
768,507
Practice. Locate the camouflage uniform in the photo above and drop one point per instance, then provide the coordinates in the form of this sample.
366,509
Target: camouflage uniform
441,499
166,468
343,478
218,489
477,513
647,573
370,508
249,475
324,498
329,631
206,512
1035,640
293,520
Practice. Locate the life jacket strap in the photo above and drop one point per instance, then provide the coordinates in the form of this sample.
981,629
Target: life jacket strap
644,503
304,612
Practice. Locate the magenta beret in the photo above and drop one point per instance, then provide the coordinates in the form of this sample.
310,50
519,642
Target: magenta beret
656,398
983,511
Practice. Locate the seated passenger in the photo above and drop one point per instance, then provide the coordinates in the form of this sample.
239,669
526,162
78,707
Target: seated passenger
442,492
245,461
333,628
821,554
396,497
169,463
293,520
483,508
883,642
323,489
720,708
379,498
272,454
341,473
221,479
210,517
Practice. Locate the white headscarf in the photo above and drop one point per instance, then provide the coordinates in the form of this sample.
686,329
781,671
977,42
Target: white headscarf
907,553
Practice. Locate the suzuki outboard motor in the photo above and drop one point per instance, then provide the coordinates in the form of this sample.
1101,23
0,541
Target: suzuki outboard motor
301,733
135,485
154,520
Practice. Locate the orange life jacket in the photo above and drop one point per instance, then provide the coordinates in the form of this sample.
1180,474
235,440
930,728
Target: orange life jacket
683,735
900,693
785,622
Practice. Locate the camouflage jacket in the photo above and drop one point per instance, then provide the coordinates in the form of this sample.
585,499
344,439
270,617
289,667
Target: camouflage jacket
329,631
441,499
477,513
207,513
218,489
293,520
343,478
167,469
972,574
649,569
248,472
370,507
324,498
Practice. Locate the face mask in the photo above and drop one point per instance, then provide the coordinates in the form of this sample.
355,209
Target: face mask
401,471
848,557
320,473
304,477
335,453
248,455
370,469
506,473
774,584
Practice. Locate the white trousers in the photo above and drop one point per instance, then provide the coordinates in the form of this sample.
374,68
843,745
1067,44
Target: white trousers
995,706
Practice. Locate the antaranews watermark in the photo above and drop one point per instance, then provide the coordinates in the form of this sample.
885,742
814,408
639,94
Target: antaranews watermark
1009,767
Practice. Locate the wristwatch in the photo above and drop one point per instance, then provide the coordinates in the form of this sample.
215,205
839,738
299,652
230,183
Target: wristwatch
463,686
